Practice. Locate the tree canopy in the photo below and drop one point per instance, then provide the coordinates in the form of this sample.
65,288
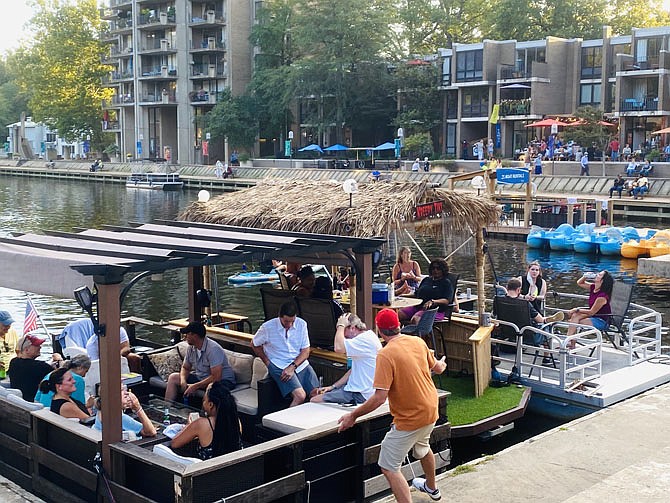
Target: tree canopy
61,71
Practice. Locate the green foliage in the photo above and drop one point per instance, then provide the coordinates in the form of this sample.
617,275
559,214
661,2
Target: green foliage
464,408
61,72
419,145
12,101
234,117
418,96
591,131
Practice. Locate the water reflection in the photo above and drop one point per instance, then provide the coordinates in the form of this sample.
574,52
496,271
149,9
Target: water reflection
33,205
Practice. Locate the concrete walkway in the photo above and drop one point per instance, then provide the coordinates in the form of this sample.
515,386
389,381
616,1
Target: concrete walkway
13,493
620,454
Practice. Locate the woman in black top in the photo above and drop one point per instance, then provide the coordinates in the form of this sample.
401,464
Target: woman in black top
435,291
63,385
219,432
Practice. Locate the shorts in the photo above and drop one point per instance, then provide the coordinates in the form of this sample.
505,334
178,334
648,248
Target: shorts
192,379
396,445
339,395
305,379
411,311
598,323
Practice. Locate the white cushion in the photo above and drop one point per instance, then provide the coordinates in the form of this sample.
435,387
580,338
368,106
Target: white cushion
260,371
166,452
242,365
25,405
92,377
247,401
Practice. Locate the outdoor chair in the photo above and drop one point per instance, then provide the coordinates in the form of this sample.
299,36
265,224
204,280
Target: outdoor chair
424,328
272,299
622,294
319,315
513,316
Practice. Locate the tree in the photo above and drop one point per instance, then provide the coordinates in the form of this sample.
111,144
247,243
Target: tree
61,72
591,131
234,117
12,101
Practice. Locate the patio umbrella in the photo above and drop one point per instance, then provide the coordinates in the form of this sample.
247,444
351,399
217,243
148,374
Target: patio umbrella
385,146
662,131
313,147
336,148
547,123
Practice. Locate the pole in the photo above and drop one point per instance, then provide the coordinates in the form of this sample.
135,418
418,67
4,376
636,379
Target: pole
417,246
225,148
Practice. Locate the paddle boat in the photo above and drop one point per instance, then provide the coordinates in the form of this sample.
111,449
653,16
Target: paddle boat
563,238
639,246
155,181
537,238
585,239
253,277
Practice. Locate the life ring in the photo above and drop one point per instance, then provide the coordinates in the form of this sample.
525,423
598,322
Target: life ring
360,164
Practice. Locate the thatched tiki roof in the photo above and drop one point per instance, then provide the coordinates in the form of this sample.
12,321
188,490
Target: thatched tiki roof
323,207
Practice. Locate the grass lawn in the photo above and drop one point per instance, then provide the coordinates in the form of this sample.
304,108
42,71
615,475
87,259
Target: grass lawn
464,408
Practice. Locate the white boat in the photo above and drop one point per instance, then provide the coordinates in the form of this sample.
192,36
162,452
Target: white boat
155,181
600,371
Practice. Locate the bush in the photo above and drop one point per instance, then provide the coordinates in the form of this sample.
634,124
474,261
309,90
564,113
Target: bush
419,145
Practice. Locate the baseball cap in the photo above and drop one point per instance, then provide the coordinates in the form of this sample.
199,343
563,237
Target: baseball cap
28,340
387,319
194,327
6,318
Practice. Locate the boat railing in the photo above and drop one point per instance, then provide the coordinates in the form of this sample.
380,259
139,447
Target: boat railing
642,329
568,364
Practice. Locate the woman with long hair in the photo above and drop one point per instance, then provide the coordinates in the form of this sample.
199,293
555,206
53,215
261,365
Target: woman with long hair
63,385
434,291
406,272
598,313
534,287
219,432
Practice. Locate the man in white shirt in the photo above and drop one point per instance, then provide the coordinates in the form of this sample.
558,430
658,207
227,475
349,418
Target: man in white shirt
134,360
283,345
361,345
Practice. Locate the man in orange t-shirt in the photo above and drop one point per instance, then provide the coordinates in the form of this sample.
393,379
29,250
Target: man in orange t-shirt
403,375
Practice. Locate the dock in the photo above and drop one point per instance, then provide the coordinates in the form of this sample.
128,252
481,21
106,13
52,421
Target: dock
619,454
11,492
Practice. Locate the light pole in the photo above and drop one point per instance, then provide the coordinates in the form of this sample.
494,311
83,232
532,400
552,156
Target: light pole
290,149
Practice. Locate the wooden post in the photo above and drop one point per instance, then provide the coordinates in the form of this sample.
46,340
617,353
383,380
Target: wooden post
207,284
583,208
479,272
570,215
110,368
364,288
194,284
610,211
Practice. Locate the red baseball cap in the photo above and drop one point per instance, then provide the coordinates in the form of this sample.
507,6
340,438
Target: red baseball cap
387,319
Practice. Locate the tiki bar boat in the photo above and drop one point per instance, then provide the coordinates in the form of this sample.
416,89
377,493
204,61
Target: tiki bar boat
287,456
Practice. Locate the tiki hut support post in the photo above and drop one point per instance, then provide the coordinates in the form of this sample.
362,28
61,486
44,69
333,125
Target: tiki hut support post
110,367
363,285
195,283
479,272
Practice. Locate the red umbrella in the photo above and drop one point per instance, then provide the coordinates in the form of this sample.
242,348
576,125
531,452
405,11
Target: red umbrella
662,131
547,123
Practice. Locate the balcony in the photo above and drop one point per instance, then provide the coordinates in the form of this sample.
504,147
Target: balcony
208,44
633,105
511,72
202,97
123,99
159,72
651,63
159,98
211,17
515,107
205,71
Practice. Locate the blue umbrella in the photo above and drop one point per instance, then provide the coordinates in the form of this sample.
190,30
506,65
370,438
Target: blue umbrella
312,147
385,146
336,148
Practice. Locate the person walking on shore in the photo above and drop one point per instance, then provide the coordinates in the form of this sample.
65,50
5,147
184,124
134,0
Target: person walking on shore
584,162
403,375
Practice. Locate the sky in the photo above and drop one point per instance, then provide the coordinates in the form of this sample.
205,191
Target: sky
11,24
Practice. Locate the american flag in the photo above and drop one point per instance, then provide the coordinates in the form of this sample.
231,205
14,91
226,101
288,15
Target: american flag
30,322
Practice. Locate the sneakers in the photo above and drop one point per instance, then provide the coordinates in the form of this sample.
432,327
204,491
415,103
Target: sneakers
555,317
419,483
547,361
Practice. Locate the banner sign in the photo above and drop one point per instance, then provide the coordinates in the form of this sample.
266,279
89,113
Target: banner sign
512,175
498,135
428,210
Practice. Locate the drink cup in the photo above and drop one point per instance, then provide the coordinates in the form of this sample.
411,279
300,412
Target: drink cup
468,293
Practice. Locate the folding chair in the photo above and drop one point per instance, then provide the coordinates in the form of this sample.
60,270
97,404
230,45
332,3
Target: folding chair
424,328
513,316
622,294
272,299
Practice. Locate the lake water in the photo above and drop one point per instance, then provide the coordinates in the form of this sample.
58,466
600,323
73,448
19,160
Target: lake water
34,205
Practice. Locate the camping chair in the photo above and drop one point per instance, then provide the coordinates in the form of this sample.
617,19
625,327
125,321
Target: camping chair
622,294
272,299
320,318
513,317
424,328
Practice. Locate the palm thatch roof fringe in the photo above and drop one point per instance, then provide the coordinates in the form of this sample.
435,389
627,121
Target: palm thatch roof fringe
318,207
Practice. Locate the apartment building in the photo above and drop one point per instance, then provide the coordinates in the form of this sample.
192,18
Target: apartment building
171,60
626,76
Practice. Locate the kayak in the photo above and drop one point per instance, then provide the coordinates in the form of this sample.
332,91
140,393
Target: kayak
242,278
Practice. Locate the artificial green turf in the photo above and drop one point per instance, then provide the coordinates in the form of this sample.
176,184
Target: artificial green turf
464,408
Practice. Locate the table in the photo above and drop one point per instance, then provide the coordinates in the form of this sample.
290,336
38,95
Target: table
155,407
399,303
467,304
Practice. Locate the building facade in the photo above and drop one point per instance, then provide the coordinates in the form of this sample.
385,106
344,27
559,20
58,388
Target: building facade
627,77
171,61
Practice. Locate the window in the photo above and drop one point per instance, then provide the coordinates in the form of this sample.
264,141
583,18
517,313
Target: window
589,94
592,60
51,137
475,102
452,105
446,71
469,66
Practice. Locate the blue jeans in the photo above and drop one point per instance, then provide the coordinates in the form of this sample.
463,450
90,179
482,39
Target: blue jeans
640,191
